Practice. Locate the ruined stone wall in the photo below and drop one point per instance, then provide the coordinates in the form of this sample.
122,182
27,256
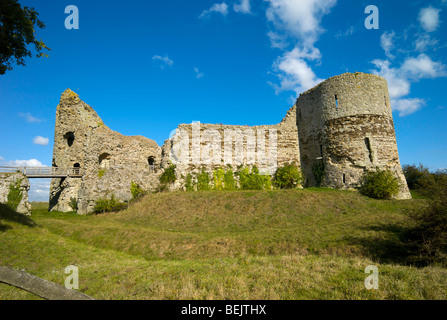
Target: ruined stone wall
109,161
11,178
212,146
345,123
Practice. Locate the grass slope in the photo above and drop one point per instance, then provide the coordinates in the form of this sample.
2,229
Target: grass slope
293,244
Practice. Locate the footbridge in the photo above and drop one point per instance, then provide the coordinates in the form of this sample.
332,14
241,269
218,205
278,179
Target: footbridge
45,172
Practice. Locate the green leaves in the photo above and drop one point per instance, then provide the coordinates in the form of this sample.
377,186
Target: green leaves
288,177
379,184
17,32
168,176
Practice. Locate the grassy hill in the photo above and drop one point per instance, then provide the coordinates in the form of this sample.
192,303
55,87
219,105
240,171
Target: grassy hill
293,244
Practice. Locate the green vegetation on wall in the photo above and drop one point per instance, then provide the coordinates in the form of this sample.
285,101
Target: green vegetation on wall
15,194
319,172
73,204
288,177
252,180
136,190
168,176
203,181
101,172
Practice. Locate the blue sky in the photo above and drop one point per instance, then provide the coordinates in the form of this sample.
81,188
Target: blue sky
146,66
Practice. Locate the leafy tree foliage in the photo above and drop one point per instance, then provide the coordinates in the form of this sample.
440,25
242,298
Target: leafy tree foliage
17,31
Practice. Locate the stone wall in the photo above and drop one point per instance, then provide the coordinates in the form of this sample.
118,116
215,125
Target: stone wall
198,145
8,179
345,123
109,161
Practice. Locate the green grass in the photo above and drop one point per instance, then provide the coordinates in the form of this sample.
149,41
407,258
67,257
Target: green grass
288,244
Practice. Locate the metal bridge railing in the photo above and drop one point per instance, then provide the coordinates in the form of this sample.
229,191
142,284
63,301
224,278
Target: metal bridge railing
44,172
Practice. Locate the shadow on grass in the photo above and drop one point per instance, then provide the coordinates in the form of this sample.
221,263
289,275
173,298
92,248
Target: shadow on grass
394,245
8,214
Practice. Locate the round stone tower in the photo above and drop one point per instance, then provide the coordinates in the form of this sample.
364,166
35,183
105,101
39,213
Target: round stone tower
346,127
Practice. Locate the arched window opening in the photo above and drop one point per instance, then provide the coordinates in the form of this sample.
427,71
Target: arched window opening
151,162
105,161
77,168
69,136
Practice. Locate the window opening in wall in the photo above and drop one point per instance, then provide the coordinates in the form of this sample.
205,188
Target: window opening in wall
368,146
69,136
344,178
321,151
77,167
105,161
336,102
151,162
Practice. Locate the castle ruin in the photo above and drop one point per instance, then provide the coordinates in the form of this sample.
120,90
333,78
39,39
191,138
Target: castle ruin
344,124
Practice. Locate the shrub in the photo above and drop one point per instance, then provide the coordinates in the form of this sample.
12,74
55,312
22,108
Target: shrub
189,184
252,180
168,176
318,172
109,205
379,184
73,204
430,234
416,176
288,177
14,195
203,181
136,190
229,183
219,179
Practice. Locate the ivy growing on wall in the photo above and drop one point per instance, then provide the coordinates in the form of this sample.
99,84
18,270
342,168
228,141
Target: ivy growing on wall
15,194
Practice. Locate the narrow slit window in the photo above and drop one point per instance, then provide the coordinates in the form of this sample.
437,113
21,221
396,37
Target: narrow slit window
344,178
321,151
368,146
336,102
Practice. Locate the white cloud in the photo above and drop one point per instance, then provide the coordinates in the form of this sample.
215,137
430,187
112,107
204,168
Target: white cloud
163,61
423,67
423,42
198,73
41,140
348,32
25,163
406,107
29,118
387,43
1,158
277,41
39,190
294,72
221,8
243,7
400,80
299,21
429,19
398,84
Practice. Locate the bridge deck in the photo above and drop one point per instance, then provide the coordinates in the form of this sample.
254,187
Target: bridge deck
45,172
